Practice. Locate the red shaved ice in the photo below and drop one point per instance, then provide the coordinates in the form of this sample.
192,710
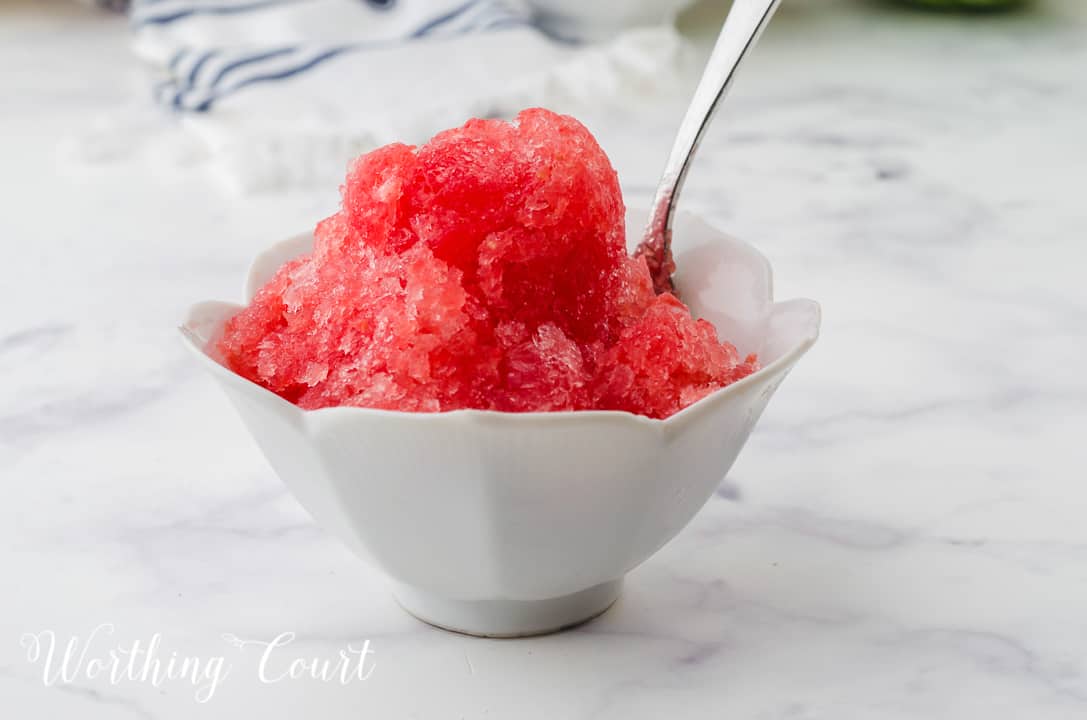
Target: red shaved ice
485,269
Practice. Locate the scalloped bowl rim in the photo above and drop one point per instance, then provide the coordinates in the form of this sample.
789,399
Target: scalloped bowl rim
787,358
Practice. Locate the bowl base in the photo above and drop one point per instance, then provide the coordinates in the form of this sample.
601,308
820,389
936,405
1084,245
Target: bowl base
508,618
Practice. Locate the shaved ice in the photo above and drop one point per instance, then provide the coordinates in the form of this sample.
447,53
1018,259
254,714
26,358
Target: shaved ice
485,269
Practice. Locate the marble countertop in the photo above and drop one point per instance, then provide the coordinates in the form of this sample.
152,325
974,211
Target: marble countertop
903,537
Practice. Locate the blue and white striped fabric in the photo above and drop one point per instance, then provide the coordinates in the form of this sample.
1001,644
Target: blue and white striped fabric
282,93
217,47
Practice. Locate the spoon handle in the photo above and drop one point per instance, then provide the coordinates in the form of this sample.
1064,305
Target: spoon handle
745,22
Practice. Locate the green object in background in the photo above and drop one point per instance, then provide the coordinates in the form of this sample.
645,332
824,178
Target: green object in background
964,4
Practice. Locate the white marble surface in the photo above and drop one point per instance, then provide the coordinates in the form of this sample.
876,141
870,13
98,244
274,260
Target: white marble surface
902,538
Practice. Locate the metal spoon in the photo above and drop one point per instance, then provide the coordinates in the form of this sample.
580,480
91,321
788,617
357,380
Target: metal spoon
745,22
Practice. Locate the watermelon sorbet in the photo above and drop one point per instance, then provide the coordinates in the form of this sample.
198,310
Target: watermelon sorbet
486,269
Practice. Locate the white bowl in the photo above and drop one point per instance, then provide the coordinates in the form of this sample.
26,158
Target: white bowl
506,524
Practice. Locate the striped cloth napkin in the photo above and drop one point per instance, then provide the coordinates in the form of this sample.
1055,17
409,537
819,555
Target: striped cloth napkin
283,92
